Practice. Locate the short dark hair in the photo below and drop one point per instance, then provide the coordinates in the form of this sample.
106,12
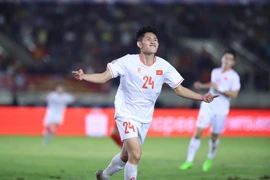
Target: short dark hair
230,52
143,30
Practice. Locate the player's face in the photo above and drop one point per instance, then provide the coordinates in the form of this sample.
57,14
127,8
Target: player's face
227,61
149,43
59,89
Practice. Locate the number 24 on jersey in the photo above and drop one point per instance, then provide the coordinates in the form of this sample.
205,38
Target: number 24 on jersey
148,82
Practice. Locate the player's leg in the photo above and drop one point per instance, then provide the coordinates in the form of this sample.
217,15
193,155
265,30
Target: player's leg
203,121
50,131
129,157
117,164
51,122
129,154
46,131
218,125
213,144
134,150
194,145
116,137
134,154
46,136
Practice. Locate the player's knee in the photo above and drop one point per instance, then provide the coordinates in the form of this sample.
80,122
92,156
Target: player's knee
214,137
198,134
53,127
135,156
49,130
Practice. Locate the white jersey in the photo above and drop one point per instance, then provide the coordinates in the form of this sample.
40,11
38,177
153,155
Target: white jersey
140,85
57,103
229,81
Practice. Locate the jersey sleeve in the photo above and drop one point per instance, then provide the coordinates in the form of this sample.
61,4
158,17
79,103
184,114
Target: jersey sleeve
172,77
236,85
117,67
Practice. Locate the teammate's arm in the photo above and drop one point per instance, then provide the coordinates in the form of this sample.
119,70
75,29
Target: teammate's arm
94,78
199,85
188,94
231,94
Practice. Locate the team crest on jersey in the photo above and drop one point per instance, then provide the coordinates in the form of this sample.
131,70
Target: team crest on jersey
139,70
159,72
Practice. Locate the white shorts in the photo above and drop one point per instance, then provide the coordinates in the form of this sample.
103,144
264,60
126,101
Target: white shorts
129,128
206,117
53,118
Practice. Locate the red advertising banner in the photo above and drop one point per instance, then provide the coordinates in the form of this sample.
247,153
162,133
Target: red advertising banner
182,122
99,122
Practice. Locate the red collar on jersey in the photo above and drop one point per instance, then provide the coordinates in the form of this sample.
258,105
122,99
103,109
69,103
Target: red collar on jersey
146,64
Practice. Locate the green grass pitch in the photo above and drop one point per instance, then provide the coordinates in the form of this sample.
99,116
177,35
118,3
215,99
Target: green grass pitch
78,158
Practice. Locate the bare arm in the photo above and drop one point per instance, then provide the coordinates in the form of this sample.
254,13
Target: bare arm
188,94
199,85
232,94
94,78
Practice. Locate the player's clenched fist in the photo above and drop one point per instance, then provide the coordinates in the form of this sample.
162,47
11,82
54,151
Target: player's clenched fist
209,97
79,75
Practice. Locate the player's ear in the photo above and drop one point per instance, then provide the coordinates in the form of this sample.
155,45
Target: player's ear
139,44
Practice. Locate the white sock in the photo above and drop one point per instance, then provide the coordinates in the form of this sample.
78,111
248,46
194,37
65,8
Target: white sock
47,138
115,166
130,171
212,148
194,145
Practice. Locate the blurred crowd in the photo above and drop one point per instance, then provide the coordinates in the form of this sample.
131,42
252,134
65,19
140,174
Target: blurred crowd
66,37
248,25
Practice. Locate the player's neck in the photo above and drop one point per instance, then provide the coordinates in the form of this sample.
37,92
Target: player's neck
147,59
224,69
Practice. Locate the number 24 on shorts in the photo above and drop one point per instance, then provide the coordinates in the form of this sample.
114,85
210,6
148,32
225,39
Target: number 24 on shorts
128,127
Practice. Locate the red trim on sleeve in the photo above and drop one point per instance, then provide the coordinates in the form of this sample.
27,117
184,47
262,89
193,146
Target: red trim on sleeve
110,69
178,83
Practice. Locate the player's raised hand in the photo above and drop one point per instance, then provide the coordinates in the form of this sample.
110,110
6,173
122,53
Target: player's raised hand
79,75
209,97
197,85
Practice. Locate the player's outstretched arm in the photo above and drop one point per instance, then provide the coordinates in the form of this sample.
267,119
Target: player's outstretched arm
187,93
199,85
94,78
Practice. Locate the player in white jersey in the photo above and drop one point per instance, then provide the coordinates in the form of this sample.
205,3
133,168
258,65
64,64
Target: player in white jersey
225,82
141,79
57,102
